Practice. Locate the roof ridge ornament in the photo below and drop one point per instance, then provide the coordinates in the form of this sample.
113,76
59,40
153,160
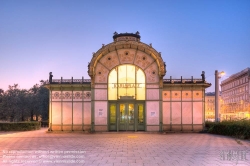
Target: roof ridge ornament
127,36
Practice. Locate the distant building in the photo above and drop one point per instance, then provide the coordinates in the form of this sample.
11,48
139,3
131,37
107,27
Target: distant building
210,106
236,95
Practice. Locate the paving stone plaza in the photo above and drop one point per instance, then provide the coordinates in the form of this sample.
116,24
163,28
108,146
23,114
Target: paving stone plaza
118,149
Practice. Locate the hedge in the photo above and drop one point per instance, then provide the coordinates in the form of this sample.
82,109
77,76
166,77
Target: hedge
20,126
238,129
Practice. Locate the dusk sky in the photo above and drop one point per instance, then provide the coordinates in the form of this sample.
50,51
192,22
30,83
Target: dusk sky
59,36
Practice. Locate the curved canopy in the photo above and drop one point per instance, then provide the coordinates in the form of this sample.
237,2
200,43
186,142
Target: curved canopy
126,50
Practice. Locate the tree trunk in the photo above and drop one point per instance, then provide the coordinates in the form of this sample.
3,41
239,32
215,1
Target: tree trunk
31,114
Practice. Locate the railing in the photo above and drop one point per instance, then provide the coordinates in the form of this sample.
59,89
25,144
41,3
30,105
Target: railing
69,81
183,80
81,81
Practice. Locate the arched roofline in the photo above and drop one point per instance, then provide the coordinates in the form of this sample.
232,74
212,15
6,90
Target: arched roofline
148,49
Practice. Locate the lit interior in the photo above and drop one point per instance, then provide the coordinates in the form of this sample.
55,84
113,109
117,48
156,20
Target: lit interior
126,80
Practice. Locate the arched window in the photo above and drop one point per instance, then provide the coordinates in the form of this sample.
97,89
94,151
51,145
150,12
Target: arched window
126,82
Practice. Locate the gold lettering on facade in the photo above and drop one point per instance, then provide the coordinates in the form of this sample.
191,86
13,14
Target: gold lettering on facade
127,85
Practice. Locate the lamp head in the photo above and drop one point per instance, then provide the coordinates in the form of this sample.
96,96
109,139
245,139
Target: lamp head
222,73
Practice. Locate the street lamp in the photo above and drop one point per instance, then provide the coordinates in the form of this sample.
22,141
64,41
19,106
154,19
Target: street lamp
217,77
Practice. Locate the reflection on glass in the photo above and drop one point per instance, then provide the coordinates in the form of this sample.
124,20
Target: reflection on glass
131,113
140,114
122,113
112,113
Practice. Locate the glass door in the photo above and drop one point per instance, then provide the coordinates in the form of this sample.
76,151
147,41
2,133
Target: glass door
126,117
112,117
141,117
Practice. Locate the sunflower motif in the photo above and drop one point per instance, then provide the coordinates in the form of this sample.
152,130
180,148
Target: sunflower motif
67,95
77,95
56,95
87,95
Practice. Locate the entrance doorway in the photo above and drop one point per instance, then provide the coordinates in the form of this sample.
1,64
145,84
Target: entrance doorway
126,116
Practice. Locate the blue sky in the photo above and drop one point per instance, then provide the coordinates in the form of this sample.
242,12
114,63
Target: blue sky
38,37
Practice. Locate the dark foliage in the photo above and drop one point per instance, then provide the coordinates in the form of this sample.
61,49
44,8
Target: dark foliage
238,129
22,105
20,126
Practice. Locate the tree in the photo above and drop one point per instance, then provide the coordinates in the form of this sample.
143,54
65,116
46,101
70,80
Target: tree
11,102
39,101
43,98
23,104
20,104
34,101
1,103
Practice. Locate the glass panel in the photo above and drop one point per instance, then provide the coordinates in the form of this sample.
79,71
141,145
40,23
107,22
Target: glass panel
112,90
140,114
121,80
126,80
130,74
140,76
122,92
140,90
122,113
122,74
112,113
130,81
130,92
131,113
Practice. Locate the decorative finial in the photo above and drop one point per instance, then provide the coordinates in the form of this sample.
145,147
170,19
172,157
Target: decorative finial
150,44
50,77
115,33
103,45
203,75
137,33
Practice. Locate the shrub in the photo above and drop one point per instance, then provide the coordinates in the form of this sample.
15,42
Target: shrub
238,129
20,126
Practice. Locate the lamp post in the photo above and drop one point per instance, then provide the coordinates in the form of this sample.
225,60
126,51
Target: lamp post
217,77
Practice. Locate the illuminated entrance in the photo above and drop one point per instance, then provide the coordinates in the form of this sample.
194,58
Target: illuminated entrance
127,89
126,116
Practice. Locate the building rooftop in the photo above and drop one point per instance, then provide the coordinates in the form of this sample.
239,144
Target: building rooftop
236,75
210,94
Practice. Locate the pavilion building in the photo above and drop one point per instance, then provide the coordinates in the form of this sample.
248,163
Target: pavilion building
127,92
